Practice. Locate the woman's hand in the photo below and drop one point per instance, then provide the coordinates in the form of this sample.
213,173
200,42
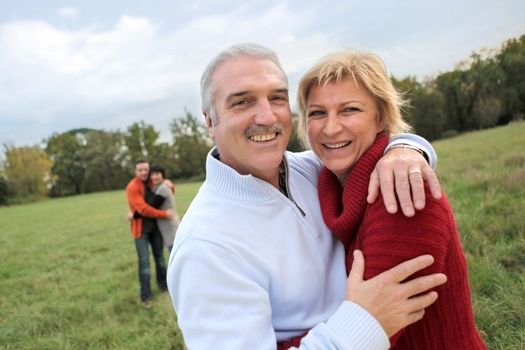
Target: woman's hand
406,170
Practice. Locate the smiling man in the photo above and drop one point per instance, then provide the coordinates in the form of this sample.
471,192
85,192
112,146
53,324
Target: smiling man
253,265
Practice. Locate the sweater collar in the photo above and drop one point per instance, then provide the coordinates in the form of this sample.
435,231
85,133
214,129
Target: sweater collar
228,182
343,209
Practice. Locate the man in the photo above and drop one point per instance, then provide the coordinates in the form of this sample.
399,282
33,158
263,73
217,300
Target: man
253,264
145,231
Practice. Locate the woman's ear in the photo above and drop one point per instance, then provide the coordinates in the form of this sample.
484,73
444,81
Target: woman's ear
381,125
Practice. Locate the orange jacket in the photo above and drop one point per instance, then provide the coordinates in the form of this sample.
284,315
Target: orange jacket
135,192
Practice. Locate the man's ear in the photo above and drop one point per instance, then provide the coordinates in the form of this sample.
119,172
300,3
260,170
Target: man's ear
209,125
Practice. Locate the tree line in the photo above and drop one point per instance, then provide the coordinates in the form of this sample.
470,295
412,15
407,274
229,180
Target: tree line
482,92
87,160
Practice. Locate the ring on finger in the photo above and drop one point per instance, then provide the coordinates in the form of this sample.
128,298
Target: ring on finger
414,171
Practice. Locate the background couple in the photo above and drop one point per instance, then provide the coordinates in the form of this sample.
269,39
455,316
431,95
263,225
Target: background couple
154,221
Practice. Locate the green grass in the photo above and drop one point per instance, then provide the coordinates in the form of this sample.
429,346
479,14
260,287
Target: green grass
68,276
483,174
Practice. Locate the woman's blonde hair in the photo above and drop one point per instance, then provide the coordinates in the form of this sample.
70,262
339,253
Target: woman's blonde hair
365,68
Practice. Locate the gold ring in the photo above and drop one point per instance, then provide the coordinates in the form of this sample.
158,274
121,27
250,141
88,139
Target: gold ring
414,171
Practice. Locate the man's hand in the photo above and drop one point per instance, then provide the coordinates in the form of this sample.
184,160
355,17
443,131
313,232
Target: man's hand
130,216
405,169
170,214
392,303
168,183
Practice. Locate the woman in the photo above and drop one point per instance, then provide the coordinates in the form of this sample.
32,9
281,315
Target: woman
348,108
164,200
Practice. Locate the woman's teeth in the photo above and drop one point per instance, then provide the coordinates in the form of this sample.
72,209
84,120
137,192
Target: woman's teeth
337,145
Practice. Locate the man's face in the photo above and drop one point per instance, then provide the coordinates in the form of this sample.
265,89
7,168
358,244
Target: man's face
142,171
254,119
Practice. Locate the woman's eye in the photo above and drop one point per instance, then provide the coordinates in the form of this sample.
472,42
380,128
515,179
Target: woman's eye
314,114
350,110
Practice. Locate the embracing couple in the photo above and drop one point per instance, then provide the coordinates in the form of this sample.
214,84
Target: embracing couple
271,253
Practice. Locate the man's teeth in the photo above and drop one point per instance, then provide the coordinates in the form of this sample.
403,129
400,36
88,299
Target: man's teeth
262,138
337,145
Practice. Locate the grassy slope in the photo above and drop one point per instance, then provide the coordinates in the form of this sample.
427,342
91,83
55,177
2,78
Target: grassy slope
68,275
484,177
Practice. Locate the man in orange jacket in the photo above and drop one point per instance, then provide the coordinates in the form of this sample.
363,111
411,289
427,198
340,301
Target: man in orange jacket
145,231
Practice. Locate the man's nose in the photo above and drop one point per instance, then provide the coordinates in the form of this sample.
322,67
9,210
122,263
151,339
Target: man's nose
264,113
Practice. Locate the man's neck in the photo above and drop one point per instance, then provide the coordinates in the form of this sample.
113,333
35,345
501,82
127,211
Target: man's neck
272,176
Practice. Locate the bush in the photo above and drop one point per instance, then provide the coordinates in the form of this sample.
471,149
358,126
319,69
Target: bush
3,191
449,133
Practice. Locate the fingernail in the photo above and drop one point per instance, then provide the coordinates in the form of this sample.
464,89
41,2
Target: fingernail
409,211
391,208
420,203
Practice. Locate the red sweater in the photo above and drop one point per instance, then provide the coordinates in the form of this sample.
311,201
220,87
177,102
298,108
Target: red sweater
387,240
135,192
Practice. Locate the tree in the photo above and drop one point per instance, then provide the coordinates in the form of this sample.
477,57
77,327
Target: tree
191,144
3,191
408,87
106,159
425,110
295,144
511,59
141,141
487,111
429,116
27,171
69,167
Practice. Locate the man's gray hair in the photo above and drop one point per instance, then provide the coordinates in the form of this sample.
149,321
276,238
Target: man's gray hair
245,49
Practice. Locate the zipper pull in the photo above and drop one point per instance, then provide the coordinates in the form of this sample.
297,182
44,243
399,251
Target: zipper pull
298,207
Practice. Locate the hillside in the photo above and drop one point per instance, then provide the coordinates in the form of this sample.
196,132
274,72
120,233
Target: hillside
68,273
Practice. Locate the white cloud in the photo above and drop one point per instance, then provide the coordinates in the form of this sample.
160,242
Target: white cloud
68,12
108,76
111,77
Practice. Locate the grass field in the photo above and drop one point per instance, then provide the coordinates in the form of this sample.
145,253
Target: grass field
68,276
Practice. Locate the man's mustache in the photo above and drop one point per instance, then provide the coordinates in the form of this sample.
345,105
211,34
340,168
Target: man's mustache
263,129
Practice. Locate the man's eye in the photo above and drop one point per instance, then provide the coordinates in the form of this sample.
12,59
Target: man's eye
240,103
279,98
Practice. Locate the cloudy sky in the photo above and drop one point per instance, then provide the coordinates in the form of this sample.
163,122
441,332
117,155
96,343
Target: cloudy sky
107,64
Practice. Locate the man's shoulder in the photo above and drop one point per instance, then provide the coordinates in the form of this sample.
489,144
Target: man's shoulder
305,163
211,215
132,182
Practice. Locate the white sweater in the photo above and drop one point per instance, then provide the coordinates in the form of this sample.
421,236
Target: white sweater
248,269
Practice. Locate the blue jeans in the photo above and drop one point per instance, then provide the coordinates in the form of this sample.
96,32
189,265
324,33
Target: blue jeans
152,237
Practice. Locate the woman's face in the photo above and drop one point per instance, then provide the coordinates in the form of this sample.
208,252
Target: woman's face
156,177
342,122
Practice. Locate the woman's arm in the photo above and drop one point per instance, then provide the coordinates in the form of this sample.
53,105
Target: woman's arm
387,240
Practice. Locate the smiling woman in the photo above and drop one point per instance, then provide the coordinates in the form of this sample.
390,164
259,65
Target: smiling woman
342,123
348,107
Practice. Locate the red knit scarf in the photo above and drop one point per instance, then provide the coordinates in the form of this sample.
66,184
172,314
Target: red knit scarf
344,209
